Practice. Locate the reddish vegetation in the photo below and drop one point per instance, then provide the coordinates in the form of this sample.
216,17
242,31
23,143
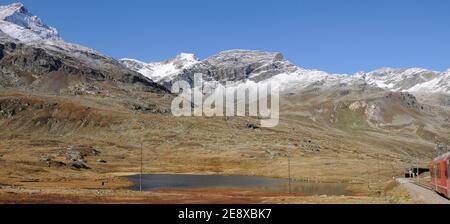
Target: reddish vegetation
214,196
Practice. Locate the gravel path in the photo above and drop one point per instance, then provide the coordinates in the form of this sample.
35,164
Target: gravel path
421,194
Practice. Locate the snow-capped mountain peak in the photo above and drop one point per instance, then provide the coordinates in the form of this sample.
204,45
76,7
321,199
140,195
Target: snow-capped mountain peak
160,71
17,22
187,58
8,10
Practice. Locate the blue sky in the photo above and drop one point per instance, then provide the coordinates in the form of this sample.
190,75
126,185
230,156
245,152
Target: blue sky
340,36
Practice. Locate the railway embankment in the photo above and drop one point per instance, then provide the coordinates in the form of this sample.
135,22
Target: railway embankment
421,194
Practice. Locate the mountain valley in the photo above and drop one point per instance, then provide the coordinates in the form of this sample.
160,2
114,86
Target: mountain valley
58,99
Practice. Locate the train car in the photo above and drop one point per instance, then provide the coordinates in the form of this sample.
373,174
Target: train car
440,174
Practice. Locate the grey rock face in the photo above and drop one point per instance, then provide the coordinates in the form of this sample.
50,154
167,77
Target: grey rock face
34,57
79,153
238,65
79,166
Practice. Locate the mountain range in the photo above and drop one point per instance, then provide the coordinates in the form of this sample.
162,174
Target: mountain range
34,57
259,66
18,25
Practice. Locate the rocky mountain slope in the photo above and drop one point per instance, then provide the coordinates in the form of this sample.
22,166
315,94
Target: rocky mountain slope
410,101
33,56
234,65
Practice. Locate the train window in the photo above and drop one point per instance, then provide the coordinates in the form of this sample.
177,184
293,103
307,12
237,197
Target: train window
438,172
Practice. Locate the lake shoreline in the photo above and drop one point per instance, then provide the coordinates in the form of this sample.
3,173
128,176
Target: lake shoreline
155,182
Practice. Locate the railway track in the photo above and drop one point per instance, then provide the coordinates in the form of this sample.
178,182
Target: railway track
428,187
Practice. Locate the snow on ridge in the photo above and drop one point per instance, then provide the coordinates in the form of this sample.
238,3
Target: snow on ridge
440,84
303,78
159,71
391,79
412,80
132,60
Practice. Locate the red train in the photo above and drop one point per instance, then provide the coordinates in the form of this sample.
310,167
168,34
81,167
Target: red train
440,174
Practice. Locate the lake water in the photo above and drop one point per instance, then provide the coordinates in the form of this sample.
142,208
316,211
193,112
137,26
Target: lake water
152,182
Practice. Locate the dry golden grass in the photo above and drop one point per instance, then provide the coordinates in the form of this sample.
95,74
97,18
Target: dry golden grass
365,160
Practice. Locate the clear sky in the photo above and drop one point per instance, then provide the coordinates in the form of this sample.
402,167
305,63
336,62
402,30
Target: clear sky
339,36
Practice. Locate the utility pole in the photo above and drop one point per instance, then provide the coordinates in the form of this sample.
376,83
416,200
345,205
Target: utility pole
141,140
289,171
142,163
418,171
